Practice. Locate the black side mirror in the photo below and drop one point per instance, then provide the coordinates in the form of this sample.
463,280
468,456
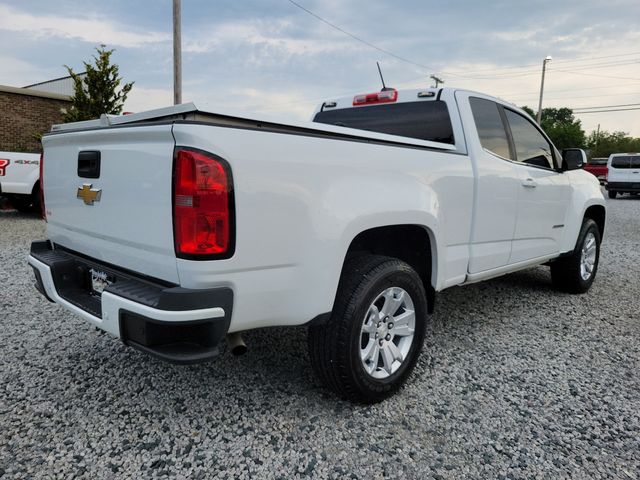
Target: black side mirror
573,159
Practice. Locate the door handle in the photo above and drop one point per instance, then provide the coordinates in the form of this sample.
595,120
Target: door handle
89,164
529,183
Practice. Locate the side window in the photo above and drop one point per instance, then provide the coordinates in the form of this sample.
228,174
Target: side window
490,127
531,146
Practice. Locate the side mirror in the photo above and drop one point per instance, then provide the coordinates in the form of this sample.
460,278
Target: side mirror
573,159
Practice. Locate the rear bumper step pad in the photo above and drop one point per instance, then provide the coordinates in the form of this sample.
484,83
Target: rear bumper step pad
170,322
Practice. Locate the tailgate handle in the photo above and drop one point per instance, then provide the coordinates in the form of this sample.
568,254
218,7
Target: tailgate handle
89,164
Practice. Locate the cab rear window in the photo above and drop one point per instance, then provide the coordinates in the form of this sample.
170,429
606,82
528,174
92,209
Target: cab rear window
422,120
626,161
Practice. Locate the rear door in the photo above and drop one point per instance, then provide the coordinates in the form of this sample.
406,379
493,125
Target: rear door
108,195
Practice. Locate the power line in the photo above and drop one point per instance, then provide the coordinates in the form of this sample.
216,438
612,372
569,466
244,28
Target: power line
609,106
573,69
605,111
536,71
355,37
580,59
369,44
632,84
595,75
498,75
532,97
606,64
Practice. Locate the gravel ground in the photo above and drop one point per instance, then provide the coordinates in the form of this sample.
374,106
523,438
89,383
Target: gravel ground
516,381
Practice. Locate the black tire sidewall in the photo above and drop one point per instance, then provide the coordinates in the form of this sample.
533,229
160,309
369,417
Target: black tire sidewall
588,226
395,274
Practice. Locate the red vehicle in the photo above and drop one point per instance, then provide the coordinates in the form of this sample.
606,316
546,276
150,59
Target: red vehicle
597,167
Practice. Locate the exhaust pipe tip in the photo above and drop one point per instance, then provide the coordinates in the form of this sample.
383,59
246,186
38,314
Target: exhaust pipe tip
236,344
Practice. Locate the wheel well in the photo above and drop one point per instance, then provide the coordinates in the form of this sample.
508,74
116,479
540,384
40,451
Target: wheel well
409,243
597,214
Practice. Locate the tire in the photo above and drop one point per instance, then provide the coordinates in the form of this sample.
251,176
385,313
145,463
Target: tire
569,274
336,347
613,194
26,203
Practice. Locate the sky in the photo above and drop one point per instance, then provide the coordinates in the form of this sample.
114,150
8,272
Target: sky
273,58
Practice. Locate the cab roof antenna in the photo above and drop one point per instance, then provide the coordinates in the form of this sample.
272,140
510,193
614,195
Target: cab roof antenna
384,87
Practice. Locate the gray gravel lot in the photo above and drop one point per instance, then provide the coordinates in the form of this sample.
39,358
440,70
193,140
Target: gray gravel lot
516,381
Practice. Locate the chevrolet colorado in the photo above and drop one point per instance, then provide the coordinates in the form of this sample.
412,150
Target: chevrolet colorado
177,228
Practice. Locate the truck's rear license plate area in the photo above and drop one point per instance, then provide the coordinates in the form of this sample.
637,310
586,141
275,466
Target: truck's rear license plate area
99,281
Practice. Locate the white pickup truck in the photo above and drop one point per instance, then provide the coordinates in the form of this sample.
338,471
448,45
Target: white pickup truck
177,228
19,180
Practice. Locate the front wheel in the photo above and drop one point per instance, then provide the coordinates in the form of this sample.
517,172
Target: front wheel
575,273
613,194
372,341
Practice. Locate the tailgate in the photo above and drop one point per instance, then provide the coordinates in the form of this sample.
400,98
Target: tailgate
121,211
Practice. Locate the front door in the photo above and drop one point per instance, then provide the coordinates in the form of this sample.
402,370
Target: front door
543,195
497,184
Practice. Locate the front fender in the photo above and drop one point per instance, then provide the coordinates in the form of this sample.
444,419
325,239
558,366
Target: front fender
585,193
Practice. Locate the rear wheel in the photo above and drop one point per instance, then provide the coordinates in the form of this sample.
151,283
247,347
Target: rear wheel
372,341
27,203
613,194
575,273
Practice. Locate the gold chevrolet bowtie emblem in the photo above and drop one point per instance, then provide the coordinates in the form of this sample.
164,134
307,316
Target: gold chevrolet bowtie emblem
88,194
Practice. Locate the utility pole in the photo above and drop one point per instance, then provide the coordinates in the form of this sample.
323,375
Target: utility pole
544,67
437,80
177,54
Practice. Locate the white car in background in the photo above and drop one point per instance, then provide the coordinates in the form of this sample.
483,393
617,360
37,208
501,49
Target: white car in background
623,174
20,180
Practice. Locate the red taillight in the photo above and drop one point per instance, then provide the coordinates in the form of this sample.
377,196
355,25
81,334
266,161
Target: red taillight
386,96
43,209
202,205
3,164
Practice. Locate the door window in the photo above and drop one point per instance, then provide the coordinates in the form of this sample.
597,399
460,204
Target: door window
493,136
531,146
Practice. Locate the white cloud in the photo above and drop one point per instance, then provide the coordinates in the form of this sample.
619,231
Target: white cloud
93,28
257,33
18,73
141,99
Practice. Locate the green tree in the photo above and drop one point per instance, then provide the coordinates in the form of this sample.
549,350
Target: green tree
99,90
564,130
603,144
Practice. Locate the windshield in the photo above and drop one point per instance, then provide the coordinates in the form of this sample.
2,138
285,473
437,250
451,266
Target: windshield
421,120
